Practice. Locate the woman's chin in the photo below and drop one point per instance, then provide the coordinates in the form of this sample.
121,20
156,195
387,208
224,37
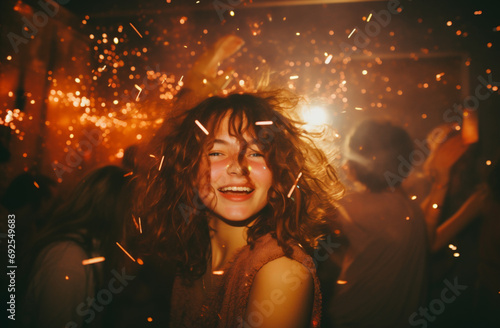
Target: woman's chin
237,219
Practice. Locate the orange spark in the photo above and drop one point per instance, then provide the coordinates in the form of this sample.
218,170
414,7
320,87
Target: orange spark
123,249
93,260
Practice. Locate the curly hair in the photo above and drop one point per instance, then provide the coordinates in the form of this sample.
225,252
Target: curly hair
168,200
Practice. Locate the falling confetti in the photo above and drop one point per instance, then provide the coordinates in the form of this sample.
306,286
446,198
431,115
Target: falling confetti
93,260
140,90
161,162
294,185
352,32
201,127
264,123
328,59
127,253
135,222
135,30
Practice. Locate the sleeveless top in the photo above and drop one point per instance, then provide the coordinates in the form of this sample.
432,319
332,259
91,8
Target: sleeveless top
225,305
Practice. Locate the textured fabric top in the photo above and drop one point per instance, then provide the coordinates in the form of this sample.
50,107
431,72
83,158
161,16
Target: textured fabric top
225,305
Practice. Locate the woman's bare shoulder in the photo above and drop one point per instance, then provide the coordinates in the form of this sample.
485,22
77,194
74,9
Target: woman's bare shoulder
284,289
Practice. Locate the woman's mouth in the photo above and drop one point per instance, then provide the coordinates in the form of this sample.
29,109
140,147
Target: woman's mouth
236,193
236,189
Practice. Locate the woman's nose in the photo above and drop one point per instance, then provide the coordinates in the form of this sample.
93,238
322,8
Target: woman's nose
234,168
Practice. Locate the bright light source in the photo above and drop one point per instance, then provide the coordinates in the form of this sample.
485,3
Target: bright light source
314,116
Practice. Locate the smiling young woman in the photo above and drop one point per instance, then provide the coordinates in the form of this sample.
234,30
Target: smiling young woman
226,206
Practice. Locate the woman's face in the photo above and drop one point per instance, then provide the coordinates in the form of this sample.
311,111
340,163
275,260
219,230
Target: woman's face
236,191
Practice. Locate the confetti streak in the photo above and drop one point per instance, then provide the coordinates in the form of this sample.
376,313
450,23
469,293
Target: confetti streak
294,185
93,260
201,127
328,59
128,174
140,225
294,77
140,90
218,272
123,249
135,222
36,184
135,29
264,123
369,17
161,162
351,33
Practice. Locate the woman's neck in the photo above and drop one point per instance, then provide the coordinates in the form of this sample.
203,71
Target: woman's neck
225,241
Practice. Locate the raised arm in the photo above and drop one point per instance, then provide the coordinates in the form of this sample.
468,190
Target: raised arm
460,219
203,79
438,167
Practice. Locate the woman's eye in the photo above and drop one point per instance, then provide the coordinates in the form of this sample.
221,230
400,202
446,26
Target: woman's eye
214,153
256,155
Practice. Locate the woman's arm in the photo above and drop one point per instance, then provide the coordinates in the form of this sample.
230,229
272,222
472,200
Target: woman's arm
465,214
204,79
438,167
431,207
282,295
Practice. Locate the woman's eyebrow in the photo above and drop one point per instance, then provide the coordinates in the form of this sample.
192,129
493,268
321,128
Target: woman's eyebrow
252,142
220,141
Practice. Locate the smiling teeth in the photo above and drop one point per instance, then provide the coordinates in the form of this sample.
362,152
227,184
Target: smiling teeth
246,189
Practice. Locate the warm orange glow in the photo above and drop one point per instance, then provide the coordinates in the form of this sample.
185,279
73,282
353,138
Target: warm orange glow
93,260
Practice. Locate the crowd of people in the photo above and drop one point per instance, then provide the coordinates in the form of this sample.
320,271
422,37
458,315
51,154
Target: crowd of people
225,217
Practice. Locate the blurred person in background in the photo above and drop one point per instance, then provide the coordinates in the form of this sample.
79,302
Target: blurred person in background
382,278
455,192
30,197
60,288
